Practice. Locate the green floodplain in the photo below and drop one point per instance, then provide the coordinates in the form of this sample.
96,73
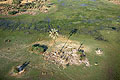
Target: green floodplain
98,25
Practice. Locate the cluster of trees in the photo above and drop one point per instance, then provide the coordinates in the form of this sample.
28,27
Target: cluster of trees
37,1
18,7
35,4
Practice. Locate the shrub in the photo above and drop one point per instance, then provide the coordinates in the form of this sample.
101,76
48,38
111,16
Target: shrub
16,2
22,10
15,70
12,12
37,48
82,55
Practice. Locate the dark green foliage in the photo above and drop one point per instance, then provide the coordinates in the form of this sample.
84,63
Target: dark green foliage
39,48
15,70
16,2
82,55
5,5
22,10
29,5
12,12
32,5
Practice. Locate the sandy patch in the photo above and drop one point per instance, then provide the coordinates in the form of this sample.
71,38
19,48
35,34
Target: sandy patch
115,2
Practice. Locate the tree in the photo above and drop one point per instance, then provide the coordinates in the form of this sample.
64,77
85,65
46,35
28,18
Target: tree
53,33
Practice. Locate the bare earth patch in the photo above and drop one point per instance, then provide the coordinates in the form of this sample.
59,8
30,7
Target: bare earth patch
68,56
115,2
99,51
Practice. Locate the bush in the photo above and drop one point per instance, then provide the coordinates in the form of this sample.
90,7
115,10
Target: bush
16,2
22,10
12,12
82,55
37,48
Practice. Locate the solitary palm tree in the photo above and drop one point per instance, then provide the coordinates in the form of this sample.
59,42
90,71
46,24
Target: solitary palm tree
53,33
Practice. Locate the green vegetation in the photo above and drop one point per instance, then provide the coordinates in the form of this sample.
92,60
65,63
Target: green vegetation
17,2
22,10
82,56
97,22
12,12
37,48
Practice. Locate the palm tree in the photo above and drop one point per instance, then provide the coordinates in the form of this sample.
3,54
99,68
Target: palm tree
53,33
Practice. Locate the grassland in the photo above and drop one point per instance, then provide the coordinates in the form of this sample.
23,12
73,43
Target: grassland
98,23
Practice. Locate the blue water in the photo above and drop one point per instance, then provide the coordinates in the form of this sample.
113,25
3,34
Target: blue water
63,4
118,16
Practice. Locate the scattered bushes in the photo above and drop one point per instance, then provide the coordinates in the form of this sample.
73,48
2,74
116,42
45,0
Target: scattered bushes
12,12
